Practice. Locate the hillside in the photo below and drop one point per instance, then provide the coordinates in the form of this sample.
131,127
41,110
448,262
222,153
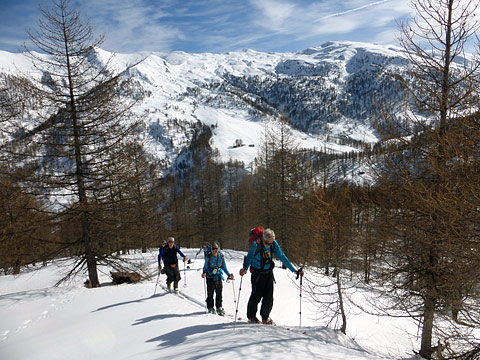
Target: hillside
327,92
43,322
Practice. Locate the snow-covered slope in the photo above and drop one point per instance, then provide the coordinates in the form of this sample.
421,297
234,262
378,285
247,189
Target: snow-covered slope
328,93
43,322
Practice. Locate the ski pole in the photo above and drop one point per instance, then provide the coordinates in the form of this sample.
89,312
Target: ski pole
239,290
205,288
301,281
238,301
234,297
184,274
158,276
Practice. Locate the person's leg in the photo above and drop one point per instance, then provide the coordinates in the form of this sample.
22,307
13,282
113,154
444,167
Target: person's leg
170,275
267,301
210,290
218,292
256,296
177,278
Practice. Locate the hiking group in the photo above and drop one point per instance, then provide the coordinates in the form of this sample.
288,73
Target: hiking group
259,261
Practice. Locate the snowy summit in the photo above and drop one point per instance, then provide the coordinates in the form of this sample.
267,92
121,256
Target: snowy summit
328,93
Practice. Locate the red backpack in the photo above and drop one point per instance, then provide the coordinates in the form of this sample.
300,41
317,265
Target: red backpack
255,234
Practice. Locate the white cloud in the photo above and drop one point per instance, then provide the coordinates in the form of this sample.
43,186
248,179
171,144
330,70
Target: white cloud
130,26
355,17
218,25
385,37
273,14
312,19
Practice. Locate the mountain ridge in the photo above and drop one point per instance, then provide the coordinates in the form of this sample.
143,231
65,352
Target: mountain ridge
328,93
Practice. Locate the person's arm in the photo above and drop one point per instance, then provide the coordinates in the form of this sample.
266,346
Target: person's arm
181,254
248,259
224,268
205,268
160,254
250,255
283,258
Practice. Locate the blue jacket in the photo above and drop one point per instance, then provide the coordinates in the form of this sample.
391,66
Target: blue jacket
254,259
215,266
170,255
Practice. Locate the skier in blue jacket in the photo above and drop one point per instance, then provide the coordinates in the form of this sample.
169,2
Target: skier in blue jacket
213,271
260,261
169,255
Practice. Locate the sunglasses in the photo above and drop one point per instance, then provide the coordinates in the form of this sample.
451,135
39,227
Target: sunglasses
214,248
171,242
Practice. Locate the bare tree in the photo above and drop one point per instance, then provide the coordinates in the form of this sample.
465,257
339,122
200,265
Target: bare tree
427,181
282,182
78,124
330,225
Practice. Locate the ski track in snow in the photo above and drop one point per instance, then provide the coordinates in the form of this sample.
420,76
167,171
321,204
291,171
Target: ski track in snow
307,332
60,298
35,315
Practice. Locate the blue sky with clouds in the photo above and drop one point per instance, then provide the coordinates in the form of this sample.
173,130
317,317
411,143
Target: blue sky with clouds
217,25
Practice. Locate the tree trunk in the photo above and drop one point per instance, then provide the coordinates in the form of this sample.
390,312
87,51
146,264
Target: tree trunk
343,329
426,349
89,253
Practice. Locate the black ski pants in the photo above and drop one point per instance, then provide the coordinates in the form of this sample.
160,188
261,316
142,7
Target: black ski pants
173,275
262,289
217,287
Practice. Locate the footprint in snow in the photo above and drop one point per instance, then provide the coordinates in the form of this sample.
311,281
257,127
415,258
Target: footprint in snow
4,334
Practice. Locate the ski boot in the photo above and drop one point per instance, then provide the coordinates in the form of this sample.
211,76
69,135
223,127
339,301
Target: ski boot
268,321
220,311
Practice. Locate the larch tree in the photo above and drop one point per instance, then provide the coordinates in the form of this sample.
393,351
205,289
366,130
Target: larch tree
428,179
330,223
282,185
74,132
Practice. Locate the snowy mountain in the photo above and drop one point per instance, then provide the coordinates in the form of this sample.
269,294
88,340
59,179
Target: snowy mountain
143,321
327,92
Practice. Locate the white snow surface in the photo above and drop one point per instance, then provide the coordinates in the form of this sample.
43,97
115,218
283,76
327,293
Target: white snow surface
168,76
128,321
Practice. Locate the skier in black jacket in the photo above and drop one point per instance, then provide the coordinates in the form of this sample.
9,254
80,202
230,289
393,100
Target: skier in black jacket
169,255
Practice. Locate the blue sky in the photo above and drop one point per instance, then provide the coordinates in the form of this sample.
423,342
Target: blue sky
217,25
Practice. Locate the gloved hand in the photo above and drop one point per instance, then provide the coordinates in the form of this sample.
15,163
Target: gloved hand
300,272
243,272
230,277
159,267
204,275
184,259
